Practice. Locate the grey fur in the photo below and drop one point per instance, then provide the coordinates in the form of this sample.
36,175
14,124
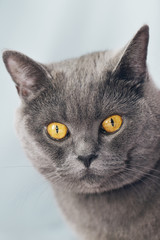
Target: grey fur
117,197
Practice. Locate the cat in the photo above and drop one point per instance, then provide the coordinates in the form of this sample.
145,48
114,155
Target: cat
90,125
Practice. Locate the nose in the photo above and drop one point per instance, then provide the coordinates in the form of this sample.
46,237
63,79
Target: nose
87,160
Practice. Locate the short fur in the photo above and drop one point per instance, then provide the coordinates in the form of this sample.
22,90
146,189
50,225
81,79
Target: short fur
117,197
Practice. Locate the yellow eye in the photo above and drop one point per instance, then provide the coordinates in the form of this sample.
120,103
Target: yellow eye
57,130
112,123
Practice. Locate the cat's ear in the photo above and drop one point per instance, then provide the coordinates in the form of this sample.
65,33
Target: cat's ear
29,76
132,64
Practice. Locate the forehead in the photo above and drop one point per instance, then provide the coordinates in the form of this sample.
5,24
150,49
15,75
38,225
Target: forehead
80,83
83,89
80,72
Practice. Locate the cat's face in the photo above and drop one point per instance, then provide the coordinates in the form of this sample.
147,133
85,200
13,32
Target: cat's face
81,94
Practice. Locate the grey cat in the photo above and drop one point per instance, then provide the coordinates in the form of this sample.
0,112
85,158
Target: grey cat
90,125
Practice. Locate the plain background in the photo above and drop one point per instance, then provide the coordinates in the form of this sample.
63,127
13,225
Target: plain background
53,30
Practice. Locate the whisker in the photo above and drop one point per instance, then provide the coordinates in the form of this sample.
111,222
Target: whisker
148,168
146,175
150,173
16,167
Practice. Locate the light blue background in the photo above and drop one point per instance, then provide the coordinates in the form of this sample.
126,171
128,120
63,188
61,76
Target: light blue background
50,30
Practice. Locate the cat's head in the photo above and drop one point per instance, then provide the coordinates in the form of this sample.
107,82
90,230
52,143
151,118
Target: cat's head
89,124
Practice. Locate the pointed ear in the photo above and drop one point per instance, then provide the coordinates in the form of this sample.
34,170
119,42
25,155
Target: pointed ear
29,76
132,64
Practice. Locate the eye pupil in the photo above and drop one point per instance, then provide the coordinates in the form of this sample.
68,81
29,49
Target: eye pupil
57,129
112,122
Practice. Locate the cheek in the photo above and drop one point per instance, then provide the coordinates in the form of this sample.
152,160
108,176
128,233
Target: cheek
108,160
59,156
62,155
126,139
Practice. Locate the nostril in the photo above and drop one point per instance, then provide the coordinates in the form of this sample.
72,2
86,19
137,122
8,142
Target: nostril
87,160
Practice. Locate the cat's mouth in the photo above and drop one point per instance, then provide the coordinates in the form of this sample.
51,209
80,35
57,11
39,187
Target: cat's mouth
90,176
93,180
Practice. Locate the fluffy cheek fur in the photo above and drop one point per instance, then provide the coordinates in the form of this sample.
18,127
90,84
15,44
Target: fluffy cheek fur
116,165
